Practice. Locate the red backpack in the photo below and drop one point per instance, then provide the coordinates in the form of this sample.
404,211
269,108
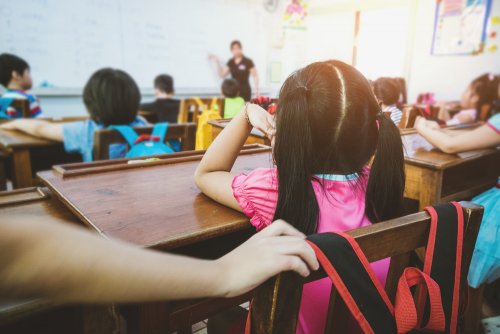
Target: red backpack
435,309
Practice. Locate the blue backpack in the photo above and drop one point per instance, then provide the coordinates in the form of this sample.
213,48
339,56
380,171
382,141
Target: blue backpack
145,145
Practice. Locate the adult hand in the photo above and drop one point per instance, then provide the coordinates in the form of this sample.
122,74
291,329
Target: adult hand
279,247
261,120
213,57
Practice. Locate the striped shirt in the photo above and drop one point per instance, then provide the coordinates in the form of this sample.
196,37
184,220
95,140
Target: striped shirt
11,112
396,114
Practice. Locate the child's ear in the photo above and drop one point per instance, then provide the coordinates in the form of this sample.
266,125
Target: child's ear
16,75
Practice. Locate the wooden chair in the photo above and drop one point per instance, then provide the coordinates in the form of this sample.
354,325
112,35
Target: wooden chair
276,303
190,110
103,138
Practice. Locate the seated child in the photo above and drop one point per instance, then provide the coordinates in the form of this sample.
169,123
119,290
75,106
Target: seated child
164,106
480,92
233,103
111,97
15,76
328,128
387,91
485,263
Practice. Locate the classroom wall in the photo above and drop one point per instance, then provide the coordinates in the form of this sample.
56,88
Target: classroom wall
446,76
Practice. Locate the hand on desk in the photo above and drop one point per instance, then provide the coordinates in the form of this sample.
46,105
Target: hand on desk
422,122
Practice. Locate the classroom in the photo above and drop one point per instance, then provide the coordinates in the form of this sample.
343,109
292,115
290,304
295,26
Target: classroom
249,166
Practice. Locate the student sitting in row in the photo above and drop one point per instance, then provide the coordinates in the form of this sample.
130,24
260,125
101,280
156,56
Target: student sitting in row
329,126
232,101
165,106
111,97
485,263
15,76
482,91
387,91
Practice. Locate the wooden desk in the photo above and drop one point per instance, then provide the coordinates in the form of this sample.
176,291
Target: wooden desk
433,176
28,154
42,316
255,137
155,204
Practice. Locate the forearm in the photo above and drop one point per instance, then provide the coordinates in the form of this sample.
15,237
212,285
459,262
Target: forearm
67,264
439,139
224,150
37,128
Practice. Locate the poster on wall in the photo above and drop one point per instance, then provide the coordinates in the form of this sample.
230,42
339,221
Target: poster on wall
295,14
460,27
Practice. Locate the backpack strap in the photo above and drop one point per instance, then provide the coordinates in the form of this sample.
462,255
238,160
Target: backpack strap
443,259
355,281
160,130
127,133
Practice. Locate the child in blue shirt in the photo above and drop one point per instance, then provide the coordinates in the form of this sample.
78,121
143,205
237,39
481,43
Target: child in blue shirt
15,76
111,97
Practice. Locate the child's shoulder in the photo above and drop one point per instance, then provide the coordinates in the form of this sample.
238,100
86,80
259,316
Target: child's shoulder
18,94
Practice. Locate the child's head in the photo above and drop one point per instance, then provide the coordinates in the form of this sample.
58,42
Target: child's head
482,90
236,48
14,72
164,84
387,91
329,122
111,97
230,88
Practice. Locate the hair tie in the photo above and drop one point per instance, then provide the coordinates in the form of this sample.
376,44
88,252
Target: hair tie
303,88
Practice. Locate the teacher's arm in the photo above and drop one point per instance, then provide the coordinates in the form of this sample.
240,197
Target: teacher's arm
222,69
255,76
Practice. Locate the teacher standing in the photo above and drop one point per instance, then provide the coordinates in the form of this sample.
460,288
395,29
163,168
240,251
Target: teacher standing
240,68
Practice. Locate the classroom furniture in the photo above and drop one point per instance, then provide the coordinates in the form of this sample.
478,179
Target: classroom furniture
190,109
255,137
157,205
43,316
150,116
27,154
23,105
433,176
103,138
276,303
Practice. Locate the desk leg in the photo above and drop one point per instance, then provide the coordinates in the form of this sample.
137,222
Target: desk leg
21,169
430,189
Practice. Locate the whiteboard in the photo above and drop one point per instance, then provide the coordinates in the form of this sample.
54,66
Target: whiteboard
65,41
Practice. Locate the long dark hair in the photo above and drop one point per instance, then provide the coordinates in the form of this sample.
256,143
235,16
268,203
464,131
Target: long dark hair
327,123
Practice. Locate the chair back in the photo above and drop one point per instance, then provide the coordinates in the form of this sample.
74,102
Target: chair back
276,303
190,110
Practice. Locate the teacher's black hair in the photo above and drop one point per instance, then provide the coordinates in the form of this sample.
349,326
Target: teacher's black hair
111,97
236,42
326,122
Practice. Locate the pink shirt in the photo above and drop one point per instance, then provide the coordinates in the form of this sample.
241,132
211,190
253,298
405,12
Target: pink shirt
341,201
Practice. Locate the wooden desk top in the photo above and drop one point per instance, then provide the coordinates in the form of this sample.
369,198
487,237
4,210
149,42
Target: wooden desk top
19,140
419,151
152,204
223,122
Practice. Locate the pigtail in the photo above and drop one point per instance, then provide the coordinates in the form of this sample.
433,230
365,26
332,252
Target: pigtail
386,183
293,146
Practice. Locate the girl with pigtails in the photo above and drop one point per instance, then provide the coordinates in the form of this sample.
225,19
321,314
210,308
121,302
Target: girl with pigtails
338,165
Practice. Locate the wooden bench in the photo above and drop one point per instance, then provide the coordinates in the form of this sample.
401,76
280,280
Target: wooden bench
276,303
105,137
190,110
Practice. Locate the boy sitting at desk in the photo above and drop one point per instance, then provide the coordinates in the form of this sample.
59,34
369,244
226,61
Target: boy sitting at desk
165,107
15,76
111,97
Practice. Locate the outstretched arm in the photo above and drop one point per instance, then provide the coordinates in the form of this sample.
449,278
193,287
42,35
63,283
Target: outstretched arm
213,175
37,128
222,70
69,264
479,138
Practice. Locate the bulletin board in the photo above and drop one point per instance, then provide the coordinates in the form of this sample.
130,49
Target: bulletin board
460,27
